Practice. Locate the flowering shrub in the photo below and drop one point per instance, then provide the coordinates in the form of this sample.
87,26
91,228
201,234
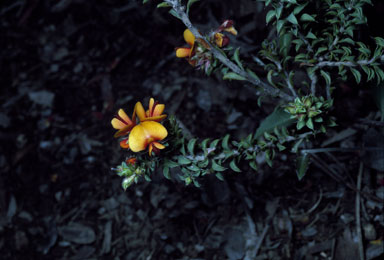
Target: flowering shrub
321,45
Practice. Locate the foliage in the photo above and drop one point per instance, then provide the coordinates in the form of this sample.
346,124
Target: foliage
314,38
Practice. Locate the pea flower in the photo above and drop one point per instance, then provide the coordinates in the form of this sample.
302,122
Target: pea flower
227,26
221,40
185,52
147,134
123,123
154,113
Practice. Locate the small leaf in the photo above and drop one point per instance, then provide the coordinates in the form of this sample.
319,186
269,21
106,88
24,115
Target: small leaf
220,176
183,161
326,77
279,25
292,19
191,145
224,143
310,35
270,15
163,4
253,75
299,8
237,59
356,74
166,173
309,124
307,18
253,165
217,168
297,145
302,166
278,118
233,166
233,75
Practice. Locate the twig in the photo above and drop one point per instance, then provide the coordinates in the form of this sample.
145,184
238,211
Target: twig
180,11
357,213
289,84
313,78
348,63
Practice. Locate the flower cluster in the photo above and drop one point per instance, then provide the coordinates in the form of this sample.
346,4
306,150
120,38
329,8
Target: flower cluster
147,133
197,53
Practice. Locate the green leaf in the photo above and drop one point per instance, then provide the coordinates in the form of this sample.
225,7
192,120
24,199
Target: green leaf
163,4
279,25
309,123
356,74
183,161
297,145
217,168
299,8
302,166
166,173
233,166
253,165
307,18
220,176
279,10
292,19
214,143
233,75
270,15
145,1
326,77
280,147
189,4
278,118
310,35
253,75
379,41
237,59
191,145
224,143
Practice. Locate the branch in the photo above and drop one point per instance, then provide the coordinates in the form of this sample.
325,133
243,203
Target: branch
348,63
180,11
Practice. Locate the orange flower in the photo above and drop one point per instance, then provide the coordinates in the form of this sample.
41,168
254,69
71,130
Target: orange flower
227,26
186,52
131,161
123,123
154,113
221,40
147,133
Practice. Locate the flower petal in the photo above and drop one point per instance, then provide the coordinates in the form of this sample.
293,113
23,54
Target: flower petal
158,145
231,30
151,103
117,124
189,37
140,112
124,116
124,143
183,52
155,118
159,108
137,139
150,148
154,130
123,131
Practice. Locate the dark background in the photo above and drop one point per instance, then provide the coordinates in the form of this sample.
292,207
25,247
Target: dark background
67,66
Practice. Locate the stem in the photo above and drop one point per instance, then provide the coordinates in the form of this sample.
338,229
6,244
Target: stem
348,63
180,11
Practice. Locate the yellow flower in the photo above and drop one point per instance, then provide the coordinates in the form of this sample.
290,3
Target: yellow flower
147,133
227,26
221,40
186,52
123,123
154,113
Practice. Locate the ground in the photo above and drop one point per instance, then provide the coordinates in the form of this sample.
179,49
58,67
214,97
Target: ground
66,68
